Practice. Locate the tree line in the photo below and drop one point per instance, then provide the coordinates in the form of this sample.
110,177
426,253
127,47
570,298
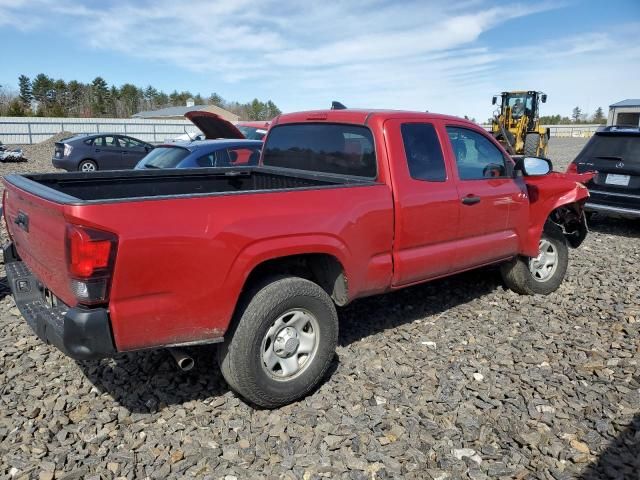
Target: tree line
577,117
44,96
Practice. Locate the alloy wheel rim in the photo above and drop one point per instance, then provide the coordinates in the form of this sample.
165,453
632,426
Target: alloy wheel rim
544,266
88,167
290,344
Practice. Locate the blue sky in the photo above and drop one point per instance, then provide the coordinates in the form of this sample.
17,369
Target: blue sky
441,56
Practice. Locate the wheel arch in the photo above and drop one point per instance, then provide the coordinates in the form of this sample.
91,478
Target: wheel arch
322,268
89,159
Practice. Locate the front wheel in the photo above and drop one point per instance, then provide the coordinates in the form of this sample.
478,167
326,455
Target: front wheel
542,274
282,343
532,146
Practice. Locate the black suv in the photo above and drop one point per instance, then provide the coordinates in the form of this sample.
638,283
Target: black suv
106,151
614,154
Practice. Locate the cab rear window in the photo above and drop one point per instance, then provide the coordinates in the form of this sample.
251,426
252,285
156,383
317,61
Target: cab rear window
320,147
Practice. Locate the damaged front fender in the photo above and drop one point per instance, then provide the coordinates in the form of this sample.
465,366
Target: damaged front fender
558,198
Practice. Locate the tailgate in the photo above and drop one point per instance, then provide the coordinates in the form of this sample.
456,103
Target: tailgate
37,227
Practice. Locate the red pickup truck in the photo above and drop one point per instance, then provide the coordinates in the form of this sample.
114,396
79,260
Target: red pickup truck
344,204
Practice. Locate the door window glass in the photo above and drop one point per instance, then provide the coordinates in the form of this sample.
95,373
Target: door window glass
476,157
207,160
423,152
110,141
127,142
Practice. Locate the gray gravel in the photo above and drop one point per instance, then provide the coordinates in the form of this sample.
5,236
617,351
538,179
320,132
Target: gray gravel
458,378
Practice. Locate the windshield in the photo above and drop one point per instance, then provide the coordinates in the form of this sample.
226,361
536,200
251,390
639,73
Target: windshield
616,147
322,147
164,157
252,133
518,102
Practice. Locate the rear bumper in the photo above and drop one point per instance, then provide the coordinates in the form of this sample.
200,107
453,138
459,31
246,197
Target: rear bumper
80,333
623,212
63,164
614,203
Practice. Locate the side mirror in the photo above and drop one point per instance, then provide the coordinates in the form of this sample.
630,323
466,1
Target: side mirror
544,98
494,100
533,166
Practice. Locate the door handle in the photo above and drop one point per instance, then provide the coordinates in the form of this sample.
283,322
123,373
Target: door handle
97,149
470,200
125,153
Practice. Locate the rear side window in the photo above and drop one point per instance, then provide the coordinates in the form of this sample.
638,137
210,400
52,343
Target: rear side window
322,147
88,141
243,156
218,158
423,151
165,157
616,147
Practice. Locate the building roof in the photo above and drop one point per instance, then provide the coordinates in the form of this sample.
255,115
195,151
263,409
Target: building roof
629,102
181,110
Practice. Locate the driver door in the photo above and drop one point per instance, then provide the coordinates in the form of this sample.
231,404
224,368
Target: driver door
493,205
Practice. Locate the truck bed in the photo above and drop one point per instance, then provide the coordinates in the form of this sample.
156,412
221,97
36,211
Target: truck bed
112,186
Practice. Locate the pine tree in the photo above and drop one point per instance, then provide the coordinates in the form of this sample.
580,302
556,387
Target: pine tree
100,96
576,114
26,95
598,117
215,99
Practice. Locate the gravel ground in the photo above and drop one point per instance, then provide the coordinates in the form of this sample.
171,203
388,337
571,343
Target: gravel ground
458,378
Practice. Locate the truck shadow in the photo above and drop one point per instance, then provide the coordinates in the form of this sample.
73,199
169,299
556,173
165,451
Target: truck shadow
372,315
146,382
621,459
4,288
622,227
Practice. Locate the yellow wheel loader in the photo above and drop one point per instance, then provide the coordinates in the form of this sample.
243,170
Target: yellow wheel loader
517,123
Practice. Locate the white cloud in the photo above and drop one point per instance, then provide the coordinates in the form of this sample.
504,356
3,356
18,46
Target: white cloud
417,55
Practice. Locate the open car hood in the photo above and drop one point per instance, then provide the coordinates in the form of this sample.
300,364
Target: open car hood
213,126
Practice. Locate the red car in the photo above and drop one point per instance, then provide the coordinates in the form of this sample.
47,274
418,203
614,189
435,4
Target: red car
254,130
344,204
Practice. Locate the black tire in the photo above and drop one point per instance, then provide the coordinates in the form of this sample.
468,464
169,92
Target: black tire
532,145
87,166
241,357
519,277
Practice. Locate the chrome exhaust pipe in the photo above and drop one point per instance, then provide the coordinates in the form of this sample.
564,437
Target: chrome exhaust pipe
184,361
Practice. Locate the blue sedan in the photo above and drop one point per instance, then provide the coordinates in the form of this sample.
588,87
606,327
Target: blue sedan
204,153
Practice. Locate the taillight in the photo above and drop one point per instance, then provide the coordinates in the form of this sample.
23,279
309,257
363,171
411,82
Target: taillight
572,168
67,149
90,258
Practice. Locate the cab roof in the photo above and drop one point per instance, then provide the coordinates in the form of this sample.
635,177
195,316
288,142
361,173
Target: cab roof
359,116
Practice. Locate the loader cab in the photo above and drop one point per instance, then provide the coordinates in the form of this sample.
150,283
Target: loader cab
522,103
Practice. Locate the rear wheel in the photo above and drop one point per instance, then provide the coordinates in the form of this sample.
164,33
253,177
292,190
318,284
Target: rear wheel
283,342
542,274
532,147
87,166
